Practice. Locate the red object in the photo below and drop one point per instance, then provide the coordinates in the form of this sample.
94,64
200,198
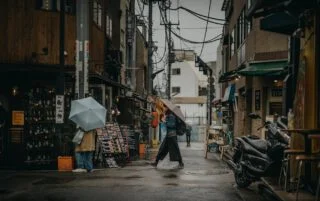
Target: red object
155,119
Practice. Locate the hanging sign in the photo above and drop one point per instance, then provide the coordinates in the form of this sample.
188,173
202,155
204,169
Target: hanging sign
59,109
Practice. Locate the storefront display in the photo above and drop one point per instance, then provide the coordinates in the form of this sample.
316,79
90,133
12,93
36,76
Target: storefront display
131,139
112,149
41,133
40,127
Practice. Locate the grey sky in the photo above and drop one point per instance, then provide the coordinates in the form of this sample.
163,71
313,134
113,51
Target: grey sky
191,28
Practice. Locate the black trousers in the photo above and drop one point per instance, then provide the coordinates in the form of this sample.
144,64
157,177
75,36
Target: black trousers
188,139
169,144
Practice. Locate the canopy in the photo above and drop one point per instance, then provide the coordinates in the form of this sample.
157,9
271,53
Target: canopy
270,68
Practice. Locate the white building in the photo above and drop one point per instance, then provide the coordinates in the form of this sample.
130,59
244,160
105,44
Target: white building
189,90
218,72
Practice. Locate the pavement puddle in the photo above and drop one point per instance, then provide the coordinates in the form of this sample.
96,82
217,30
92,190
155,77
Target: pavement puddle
207,172
133,177
170,176
172,184
52,180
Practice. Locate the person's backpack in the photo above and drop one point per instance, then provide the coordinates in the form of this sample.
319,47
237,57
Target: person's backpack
171,121
181,127
155,120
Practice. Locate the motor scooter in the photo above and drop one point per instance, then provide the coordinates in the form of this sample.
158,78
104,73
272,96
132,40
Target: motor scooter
255,158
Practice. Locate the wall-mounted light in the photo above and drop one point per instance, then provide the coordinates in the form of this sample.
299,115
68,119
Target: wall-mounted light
15,91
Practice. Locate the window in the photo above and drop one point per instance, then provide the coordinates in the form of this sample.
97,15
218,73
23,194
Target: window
176,71
232,41
202,91
122,38
54,5
108,26
238,33
175,89
248,21
97,13
241,26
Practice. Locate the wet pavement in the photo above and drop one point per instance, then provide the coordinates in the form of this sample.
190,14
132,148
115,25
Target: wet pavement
201,180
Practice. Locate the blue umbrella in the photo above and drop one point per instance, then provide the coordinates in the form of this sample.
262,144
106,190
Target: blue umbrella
88,113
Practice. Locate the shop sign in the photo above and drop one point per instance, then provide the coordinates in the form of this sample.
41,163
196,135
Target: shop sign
257,99
17,118
59,109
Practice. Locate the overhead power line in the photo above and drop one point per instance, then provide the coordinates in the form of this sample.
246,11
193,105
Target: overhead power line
164,19
205,33
198,14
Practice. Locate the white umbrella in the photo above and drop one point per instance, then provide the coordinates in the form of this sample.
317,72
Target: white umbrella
88,113
175,109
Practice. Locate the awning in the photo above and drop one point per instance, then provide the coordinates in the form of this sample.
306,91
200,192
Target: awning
229,93
271,68
216,101
225,77
107,80
230,75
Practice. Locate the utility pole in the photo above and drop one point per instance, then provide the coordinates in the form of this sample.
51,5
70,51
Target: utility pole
60,89
171,57
150,46
82,49
169,62
59,119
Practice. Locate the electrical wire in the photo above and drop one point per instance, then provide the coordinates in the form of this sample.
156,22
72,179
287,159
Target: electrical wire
141,9
205,33
216,38
193,12
165,20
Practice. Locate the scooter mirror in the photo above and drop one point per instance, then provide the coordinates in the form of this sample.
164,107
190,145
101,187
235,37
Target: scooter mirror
254,116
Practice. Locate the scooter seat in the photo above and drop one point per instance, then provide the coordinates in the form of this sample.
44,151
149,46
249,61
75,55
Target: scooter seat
259,144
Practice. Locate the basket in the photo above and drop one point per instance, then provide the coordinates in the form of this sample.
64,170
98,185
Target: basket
65,163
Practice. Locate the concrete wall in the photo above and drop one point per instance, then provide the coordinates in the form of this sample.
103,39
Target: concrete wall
187,80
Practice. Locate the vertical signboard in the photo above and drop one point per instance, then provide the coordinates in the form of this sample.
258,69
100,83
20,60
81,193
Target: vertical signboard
257,99
59,109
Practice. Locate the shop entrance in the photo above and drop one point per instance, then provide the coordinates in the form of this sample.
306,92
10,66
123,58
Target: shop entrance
31,138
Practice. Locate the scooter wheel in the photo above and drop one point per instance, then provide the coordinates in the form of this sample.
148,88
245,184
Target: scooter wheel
242,180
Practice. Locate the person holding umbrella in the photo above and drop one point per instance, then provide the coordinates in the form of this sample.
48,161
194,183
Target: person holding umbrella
84,152
89,115
170,142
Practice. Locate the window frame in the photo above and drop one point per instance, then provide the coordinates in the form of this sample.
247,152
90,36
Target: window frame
176,71
97,13
70,6
173,89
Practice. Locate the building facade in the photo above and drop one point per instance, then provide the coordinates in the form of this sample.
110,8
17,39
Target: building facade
255,65
189,90
35,132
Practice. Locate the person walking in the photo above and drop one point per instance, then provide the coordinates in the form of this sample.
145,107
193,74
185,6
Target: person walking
84,152
188,134
170,142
